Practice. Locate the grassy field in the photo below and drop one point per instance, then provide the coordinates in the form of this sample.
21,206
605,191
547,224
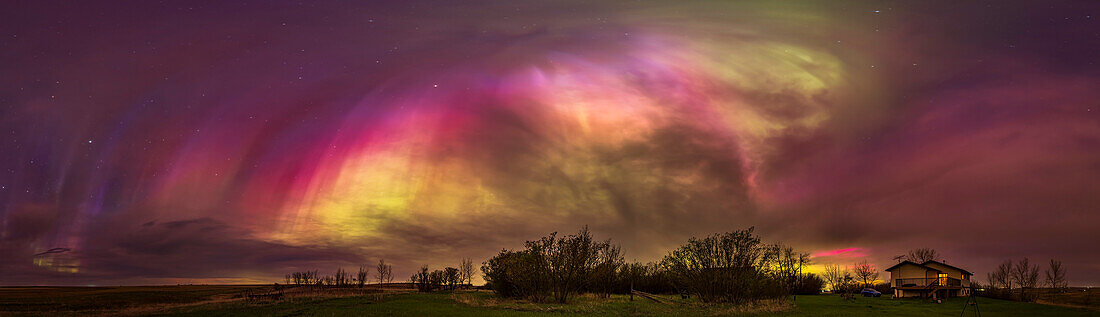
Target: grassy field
1074,296
226,301
109,299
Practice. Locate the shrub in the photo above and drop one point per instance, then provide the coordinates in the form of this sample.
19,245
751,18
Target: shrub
554,266
649,278
728,267
809,284
883,288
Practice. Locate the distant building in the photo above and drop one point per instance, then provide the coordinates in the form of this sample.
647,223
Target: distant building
929,279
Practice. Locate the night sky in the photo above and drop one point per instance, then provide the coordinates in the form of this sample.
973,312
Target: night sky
153,142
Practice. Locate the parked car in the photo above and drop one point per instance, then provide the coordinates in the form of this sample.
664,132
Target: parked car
870,292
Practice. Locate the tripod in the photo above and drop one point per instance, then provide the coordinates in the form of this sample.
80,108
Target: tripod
971,300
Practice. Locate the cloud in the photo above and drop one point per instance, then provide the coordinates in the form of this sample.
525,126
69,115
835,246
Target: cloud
158,155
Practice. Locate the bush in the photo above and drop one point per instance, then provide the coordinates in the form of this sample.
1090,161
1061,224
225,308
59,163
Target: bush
649,278
809,284
883,288
728,267
555,266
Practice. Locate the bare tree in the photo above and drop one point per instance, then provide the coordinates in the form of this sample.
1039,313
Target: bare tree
602,276
1056,275
922,255
361,278
1026,276
1002,276
787,264
383,272
718,267
866,272
834,275
466,271
304,278
340,278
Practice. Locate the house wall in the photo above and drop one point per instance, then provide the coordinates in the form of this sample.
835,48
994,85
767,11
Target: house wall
909,271
953,273
906,293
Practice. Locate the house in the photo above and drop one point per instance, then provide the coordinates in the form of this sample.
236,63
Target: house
933,279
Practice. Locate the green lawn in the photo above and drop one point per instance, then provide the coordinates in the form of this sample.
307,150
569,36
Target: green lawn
484,304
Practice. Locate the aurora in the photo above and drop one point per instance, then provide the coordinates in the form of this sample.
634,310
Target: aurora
151,143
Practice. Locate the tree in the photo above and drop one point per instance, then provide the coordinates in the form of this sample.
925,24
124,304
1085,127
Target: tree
787,265
1026,276
466,271
383,272
1002,276
361,278
451,277
605,272
518,274
866,272
1056,275
422,279
729,267
809,284
340,278
304,278
847,282
436,280
570,258
834,275
551,266
922,255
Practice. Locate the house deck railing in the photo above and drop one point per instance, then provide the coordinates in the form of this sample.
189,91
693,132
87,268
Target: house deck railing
928,282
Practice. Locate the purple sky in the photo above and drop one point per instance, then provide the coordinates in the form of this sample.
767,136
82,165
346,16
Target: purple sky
152,143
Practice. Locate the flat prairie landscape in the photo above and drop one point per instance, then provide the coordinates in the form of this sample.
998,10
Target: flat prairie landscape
235,301
550,158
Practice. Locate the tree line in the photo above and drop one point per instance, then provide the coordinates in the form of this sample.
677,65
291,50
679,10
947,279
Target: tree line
1020,280
844,281
382,273
732,267
449,278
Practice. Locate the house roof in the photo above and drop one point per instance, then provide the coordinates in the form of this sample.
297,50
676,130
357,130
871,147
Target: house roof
913,263
945,264
923,265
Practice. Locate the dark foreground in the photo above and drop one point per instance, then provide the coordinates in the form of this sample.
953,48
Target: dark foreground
233,300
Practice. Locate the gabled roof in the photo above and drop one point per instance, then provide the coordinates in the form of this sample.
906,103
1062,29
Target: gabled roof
945,264
913,263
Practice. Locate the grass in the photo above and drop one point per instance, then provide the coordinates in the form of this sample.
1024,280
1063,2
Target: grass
107,299
485,304
829,305
1074,297
204,301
